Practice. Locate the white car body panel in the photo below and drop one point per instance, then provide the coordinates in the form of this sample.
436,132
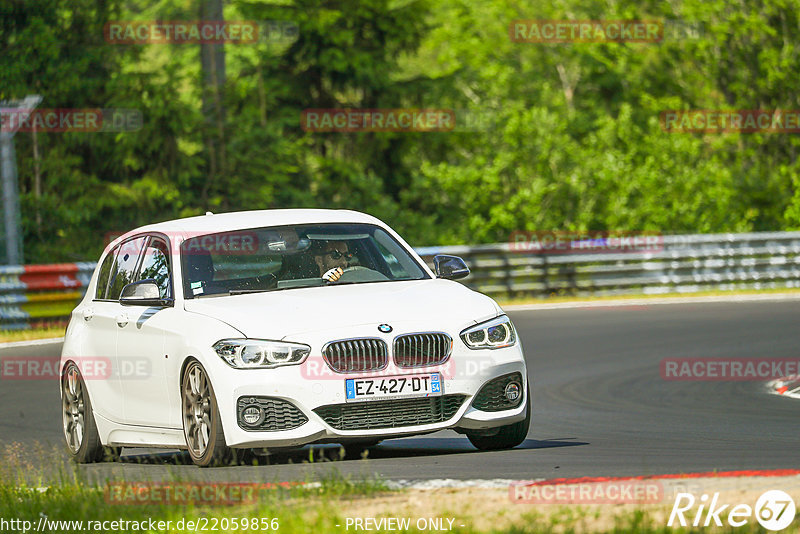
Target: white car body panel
141,356
146,410
303,311
98,346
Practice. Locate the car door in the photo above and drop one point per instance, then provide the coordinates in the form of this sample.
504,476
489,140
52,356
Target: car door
141,344
99,346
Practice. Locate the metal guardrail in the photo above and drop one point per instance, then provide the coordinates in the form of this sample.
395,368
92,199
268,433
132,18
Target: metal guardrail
680,264
35,294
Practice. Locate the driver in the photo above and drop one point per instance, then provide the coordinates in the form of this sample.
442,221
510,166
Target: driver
332,258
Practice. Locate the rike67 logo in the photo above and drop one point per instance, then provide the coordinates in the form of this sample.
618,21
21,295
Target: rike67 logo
774,510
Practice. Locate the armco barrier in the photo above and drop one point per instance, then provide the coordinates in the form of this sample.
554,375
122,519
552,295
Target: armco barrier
34,294
682,264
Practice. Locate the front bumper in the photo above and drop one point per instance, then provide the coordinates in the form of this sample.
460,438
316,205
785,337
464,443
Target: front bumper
312,385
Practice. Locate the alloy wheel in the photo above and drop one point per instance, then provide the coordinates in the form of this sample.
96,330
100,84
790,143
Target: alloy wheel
197,409
73,408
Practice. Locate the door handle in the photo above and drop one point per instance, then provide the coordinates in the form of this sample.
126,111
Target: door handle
88,313
122,319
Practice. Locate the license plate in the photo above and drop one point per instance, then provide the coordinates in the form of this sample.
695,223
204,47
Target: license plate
393,387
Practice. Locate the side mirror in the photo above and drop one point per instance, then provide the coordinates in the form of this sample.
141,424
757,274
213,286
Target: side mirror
143,293
450,267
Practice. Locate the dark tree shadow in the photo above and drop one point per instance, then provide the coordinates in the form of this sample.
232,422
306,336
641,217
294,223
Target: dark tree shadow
393,448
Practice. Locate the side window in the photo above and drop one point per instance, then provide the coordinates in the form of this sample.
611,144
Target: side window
125,266
105,272
155,265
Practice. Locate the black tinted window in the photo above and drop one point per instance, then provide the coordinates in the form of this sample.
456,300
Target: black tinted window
124,266
286,257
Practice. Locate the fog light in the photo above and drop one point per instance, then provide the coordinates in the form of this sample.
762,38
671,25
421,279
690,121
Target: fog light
252,415
513,391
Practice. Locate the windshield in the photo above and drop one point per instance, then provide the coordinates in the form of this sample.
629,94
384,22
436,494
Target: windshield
286,257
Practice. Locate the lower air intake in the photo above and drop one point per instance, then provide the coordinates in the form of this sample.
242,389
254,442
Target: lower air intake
391,413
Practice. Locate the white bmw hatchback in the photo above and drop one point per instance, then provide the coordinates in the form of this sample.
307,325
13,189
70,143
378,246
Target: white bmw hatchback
279,328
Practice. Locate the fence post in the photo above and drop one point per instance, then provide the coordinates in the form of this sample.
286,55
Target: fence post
12,224
545,275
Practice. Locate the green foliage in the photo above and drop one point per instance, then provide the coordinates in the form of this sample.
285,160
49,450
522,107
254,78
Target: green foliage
570,137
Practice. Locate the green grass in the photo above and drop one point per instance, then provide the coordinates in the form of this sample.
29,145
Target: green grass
302,507
88,503
319,505
294,511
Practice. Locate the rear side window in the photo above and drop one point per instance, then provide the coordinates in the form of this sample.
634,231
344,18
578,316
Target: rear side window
125,266
105,272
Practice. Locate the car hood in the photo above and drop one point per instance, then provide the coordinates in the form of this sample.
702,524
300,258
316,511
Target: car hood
433,305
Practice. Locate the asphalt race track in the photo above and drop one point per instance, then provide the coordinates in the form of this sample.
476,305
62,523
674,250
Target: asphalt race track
600,405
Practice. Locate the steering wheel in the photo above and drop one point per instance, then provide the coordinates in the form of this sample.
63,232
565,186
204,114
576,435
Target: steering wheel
359,273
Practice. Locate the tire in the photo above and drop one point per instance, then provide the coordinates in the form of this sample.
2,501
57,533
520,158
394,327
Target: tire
80,429
506,437
202,426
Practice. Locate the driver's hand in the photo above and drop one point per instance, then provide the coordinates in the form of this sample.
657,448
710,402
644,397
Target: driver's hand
333,275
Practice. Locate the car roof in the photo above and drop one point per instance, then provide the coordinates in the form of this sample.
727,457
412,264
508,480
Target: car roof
224,222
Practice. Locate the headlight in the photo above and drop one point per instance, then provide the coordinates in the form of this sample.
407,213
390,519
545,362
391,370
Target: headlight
260,353
494,334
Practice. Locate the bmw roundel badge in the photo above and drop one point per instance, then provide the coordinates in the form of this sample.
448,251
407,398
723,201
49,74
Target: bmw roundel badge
385,328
